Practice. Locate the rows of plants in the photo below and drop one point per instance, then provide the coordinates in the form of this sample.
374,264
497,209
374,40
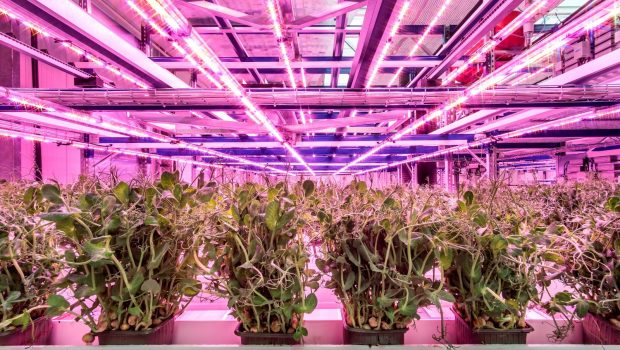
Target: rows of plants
126,258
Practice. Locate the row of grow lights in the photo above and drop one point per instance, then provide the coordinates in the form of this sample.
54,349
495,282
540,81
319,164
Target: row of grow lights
595,18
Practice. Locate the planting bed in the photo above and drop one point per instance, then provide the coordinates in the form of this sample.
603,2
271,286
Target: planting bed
211,324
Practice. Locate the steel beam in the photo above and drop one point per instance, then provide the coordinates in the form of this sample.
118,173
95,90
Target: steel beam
215,126
41,56
235,42
479,24
230,14
69,18
341,23
407,29
573,133
374,27
504,97
274,63
528,145
326,105
580,74
336,10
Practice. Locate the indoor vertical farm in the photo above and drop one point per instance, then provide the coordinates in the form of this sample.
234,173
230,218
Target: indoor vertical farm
293,173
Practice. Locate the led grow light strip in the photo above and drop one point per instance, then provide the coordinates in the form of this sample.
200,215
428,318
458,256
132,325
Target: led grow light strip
500,36
388,43
508,135
146,18
276,20
195,44
542,49
92,58
526,77
83,145
422,38
38,105
195,63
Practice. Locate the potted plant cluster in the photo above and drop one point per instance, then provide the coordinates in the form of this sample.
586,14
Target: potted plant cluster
589,215
27,266
494,274
126,258
130,252
256,257
384,259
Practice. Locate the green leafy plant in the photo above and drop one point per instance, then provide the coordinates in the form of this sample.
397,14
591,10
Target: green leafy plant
129,249
383,254
258,258
587,215
27,253
495,274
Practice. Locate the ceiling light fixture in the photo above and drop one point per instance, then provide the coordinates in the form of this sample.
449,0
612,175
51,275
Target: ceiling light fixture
68,44
422,38
512,134
109,149
542,49
195,45
386,47
500,36
40,106
275,15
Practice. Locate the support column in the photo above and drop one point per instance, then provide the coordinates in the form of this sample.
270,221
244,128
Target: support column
145,39
10,149
560,162
492,163
449,179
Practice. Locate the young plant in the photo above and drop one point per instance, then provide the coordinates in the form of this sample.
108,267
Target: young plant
129,250
587,215
258,256
383,254
496,271
27,257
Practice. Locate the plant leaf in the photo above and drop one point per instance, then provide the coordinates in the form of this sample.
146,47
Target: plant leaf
310,302
136,282
349,281
150,286
134,310
272,213
498,244
468,197
160,252
446,255
51,193
121,192
57,301
168,180
308,186
98,248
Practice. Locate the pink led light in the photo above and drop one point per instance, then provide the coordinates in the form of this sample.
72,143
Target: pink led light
421,39
145,17
303,78
388,44
512,134
161,11
542,50
302,115
528,13
71,46
82,145
276,20
197,47
537,72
